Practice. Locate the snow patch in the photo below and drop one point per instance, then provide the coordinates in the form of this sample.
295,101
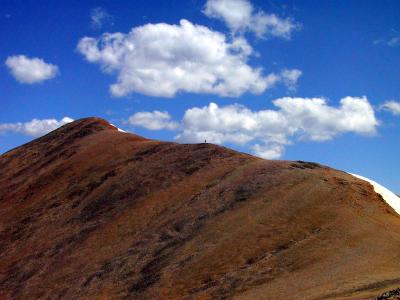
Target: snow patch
390,198
119,129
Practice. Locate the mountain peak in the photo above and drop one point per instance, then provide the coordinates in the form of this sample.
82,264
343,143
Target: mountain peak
80,128
89,123
163,220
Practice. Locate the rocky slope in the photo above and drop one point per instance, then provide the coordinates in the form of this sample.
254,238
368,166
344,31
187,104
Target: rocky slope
88,212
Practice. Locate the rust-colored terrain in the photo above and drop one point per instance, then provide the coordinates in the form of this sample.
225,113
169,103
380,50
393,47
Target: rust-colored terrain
87,212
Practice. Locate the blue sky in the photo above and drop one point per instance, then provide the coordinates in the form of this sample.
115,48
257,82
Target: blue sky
277,71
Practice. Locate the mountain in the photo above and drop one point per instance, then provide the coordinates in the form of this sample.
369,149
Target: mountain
390,198
89,212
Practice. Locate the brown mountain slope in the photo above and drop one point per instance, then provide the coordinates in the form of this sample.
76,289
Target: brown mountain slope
87,212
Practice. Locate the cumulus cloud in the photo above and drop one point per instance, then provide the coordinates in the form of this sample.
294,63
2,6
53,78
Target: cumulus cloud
155,120
30,70
98,16
240,16
391,106
35,127
162,60
267,132
315,120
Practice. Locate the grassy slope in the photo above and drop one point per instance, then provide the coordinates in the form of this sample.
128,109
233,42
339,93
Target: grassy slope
90,212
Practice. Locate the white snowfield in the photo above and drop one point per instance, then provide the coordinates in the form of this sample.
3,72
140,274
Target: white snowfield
390,198
119,129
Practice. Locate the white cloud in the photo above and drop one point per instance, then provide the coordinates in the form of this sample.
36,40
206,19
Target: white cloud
162,60
98,17
30,70
315,120
235,13
391,106
155,120
267,132
35,127
290,78
269,150
240,16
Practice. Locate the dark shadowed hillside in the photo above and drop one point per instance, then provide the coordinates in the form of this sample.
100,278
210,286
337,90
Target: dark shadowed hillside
87,212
